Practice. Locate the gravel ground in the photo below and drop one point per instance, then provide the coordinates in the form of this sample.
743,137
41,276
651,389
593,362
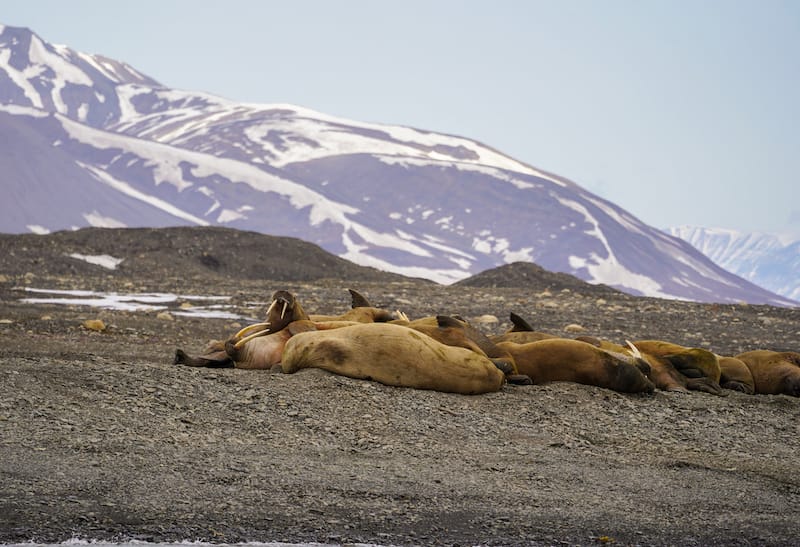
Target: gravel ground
102,437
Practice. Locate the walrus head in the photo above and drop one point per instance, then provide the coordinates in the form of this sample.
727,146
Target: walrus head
283,310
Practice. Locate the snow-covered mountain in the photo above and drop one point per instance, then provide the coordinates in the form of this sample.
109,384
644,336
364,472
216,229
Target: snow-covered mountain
769,260
89,141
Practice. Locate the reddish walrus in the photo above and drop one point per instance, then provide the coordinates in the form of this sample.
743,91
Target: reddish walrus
393,355
565,360
774,372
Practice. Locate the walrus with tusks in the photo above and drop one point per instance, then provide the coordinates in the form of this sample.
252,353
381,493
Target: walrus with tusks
774,372
566,360
283,310
393,355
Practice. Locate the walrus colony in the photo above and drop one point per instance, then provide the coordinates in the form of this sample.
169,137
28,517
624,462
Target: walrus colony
444,353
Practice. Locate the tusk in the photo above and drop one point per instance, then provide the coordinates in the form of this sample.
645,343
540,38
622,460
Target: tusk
250,328
283,311
634,349
269,309
246,339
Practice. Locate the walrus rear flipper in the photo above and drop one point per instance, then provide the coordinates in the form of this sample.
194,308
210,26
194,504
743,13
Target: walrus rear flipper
520,325
519,379
735,385
358,300
222,361
705,384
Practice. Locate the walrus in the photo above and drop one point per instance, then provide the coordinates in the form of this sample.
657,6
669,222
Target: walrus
774,372
566,360
393,355
454,331
521,332
283,309
735,375
258,346
679,368
360,311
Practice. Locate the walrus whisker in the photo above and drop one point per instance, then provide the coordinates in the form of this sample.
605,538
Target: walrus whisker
250,328
246,339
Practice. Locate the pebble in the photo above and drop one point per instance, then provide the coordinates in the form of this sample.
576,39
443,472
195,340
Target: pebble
94,324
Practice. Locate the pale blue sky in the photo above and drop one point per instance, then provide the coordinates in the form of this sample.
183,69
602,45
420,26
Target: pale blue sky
681,112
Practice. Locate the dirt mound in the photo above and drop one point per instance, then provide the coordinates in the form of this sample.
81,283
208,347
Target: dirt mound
532,277
204,252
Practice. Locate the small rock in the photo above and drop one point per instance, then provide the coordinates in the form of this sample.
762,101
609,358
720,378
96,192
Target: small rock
165,316
95,325
186,305
574,327
3,278
6,321
46,318
485,319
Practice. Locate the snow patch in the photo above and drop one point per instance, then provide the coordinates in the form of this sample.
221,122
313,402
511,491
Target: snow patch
36,229
106,261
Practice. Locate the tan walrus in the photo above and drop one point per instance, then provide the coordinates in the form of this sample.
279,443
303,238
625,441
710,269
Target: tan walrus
393,355
774,372
454,331
566,360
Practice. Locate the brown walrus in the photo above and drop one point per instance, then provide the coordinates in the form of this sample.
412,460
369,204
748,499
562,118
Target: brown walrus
361,311
393,355
680,368
565,360
521,332
774,372
455,331
735,375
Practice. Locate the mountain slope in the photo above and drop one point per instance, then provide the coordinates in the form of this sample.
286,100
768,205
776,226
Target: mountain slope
768,260
114,148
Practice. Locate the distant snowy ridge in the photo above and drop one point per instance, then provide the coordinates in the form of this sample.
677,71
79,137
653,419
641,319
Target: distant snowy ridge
93,142
771,261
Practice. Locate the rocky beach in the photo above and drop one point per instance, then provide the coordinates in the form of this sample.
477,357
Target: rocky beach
103,437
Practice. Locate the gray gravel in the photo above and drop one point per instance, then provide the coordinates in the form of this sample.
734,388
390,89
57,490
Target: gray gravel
101,437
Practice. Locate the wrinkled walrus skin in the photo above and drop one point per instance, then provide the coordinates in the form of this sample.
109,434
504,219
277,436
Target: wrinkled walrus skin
393,355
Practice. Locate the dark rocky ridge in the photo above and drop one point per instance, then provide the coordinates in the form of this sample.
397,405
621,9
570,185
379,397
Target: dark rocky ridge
101,437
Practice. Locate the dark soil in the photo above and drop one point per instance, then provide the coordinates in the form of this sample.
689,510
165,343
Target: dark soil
102,437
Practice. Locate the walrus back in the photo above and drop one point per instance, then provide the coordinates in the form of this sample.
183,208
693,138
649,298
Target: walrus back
393,355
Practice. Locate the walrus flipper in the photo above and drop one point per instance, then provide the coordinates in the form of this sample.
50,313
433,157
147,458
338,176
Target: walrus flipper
358,300
520,325
735,385
217,361
705,384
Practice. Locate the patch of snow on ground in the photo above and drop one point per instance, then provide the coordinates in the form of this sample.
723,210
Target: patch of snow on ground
106,261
